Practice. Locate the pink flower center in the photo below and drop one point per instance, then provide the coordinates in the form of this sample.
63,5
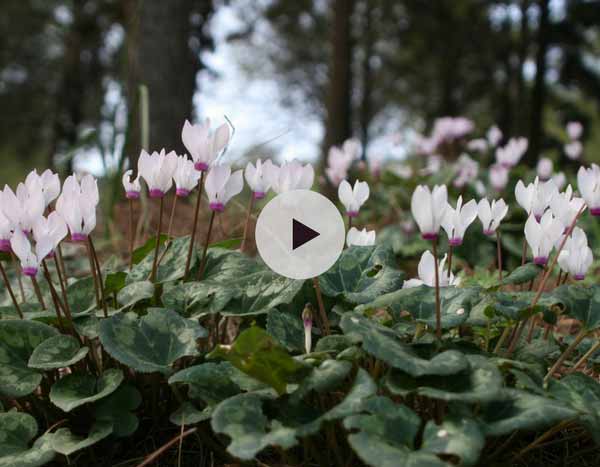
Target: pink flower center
455,241
595,212
219,207
201,166
488,232
259,194
579,277
182,192
78,237
30,271
429,235
132,194
156,193
352,213
540,260
5,245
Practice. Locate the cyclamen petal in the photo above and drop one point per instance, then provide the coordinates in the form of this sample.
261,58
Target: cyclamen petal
360,237
221,185
426,272
456,221
588,182
428,209
132,188
259,177
353,198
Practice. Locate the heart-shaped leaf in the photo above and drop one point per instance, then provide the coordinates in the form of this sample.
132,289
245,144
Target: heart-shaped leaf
76,389
210,382
188,414
172,265
522,274
57,352
66,443
287,327
581,303
150,343
117,410
17,429
362,274
18,340
81,295
457,436
257,354
383,344
140,253
135,292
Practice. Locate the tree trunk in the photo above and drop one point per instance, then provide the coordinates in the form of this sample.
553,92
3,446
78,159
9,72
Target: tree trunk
338,124
159,57
538,97
366,113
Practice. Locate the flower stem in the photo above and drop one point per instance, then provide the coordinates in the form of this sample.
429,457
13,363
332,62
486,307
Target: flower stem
54,293
156,249
247,226
94,276
566,353
438,312
10,290
195,226
131,234
324,320
55,300
19,276
63,289
349,222
503,337
559,278
587,355
38,292
173,207
450,251
203,261
524,253
62,264
100,278
499,251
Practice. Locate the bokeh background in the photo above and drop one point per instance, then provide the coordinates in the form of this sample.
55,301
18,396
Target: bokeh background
293,77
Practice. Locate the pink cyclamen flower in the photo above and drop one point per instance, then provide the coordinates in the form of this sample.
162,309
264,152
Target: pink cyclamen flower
353,198
221,185
132,187
491,215
542,236
203,144
340,159
544,169
466,169
574,130
292,176
77,206
498,176
456,221
29,257
510,155
260,177
494,136
573,150
588,182
428,208
157,169
478,145
576,256
186,177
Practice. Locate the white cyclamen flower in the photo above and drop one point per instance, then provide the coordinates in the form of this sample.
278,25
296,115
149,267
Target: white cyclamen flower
535,197
6,231
498,177
573,150
544,168
49,182
29,257
491,215
576,256
340,159
494,136
353,198
588,182
157,170
477,145
221,185
292,176
559,180
360,237
52,229
542,236
456,221
565,207
25,207
574,130
186,177
132,188
307,321
426,271
202,144
510,155
260,177
77,206
429,208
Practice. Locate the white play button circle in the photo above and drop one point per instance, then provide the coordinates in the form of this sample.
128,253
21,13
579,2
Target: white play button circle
300,234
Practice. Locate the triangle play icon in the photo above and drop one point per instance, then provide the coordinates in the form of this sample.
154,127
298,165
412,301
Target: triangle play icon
301,234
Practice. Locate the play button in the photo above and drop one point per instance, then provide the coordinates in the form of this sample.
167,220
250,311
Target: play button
300,234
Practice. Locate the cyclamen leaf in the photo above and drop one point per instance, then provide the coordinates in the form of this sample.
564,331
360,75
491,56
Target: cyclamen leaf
17,429
76,389
18,340
287,327
581,303
117,409
383,344
66,443
135,292
172,265
257,354
362,274
57,352
150,343
210,382
522,274
140,253
461,437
